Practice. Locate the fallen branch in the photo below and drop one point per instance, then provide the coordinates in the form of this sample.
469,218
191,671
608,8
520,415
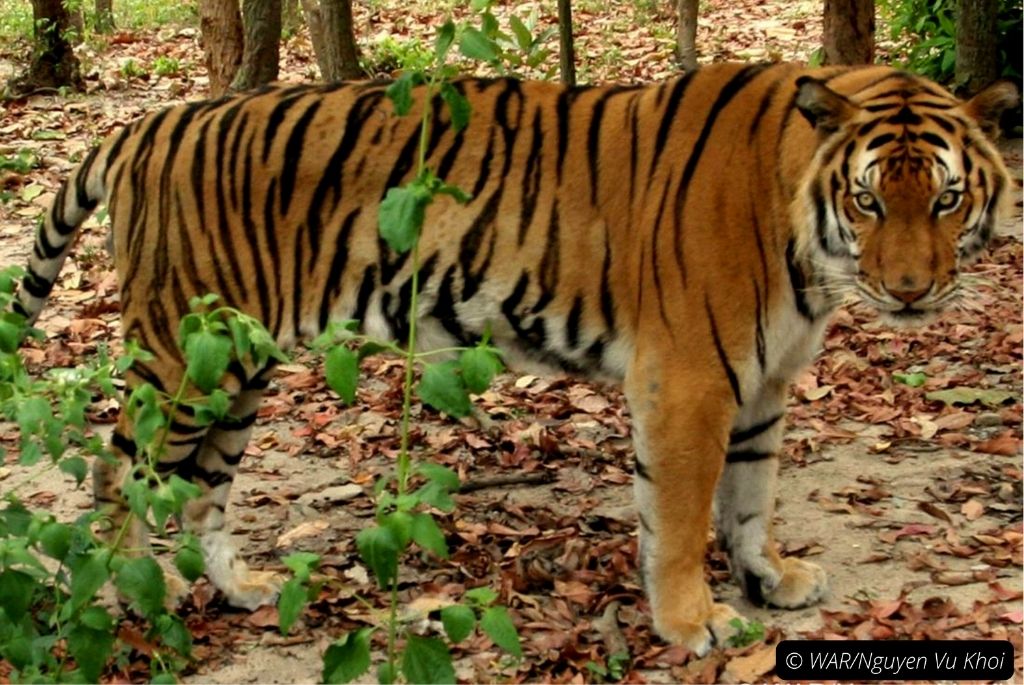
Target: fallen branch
538,478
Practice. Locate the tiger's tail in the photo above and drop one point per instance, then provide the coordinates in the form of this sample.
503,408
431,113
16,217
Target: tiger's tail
75,201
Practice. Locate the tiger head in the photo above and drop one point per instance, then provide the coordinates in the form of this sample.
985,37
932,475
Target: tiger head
905,186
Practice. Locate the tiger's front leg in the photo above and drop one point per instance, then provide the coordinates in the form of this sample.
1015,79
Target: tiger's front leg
745,504
680,431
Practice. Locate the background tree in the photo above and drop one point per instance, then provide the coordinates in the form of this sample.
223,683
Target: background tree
849,32
977,52
686,34
53,61
566,52
332,31
261,54
103,22
221,25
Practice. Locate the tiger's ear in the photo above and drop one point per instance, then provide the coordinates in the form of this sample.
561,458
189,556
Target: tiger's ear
988,106
826,109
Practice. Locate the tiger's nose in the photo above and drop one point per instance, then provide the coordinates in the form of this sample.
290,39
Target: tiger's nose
908,290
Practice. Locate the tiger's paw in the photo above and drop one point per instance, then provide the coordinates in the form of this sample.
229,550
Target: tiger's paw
253,589
802,584
699,637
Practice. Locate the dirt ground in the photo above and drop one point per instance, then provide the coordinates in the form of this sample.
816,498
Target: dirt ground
912,505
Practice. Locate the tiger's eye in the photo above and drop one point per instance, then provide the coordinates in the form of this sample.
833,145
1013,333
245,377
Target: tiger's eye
865,202
947,200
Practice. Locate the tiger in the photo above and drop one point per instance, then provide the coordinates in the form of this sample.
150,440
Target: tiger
686,239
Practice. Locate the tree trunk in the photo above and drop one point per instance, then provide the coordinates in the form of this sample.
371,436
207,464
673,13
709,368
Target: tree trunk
686,35
332,31
566,53
977,51
262,20
104,20
221,26
53,61
849,32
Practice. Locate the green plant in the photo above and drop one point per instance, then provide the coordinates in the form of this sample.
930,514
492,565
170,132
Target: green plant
615,668
390,54
130,69
406,501
166,66
746,633
52,628
925,36
21,163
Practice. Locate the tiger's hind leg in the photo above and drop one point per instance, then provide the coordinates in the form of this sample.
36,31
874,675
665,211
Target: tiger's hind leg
212,466
745,505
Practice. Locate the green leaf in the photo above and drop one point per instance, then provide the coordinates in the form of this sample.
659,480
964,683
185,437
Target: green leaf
436,496
400,525
401,216
474,44
189,562
87,577
369,348
965,395
142,581
427,535
74,466
914,380
498,626
442,388
522,34
426,660
43,134
163,678
16,591
91,648
348,658
442,475
290,603
379,549
341,366
10,335
97,618
479,366
400,92
302,564
482,596
386,673
458,105
174,633
445,36
458,621
55,539
208,357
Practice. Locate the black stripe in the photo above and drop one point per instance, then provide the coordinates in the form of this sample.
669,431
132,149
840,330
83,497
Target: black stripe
607,301
744,434
936,140
762,109
338,261
725,96
744,456
641,469
531,179
798,281
734,382
656,250
35,285
551,264
594,143
288,99
667,118
471,245
366,288
82,197
881,140
572,323
123,444
758,325
292,157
